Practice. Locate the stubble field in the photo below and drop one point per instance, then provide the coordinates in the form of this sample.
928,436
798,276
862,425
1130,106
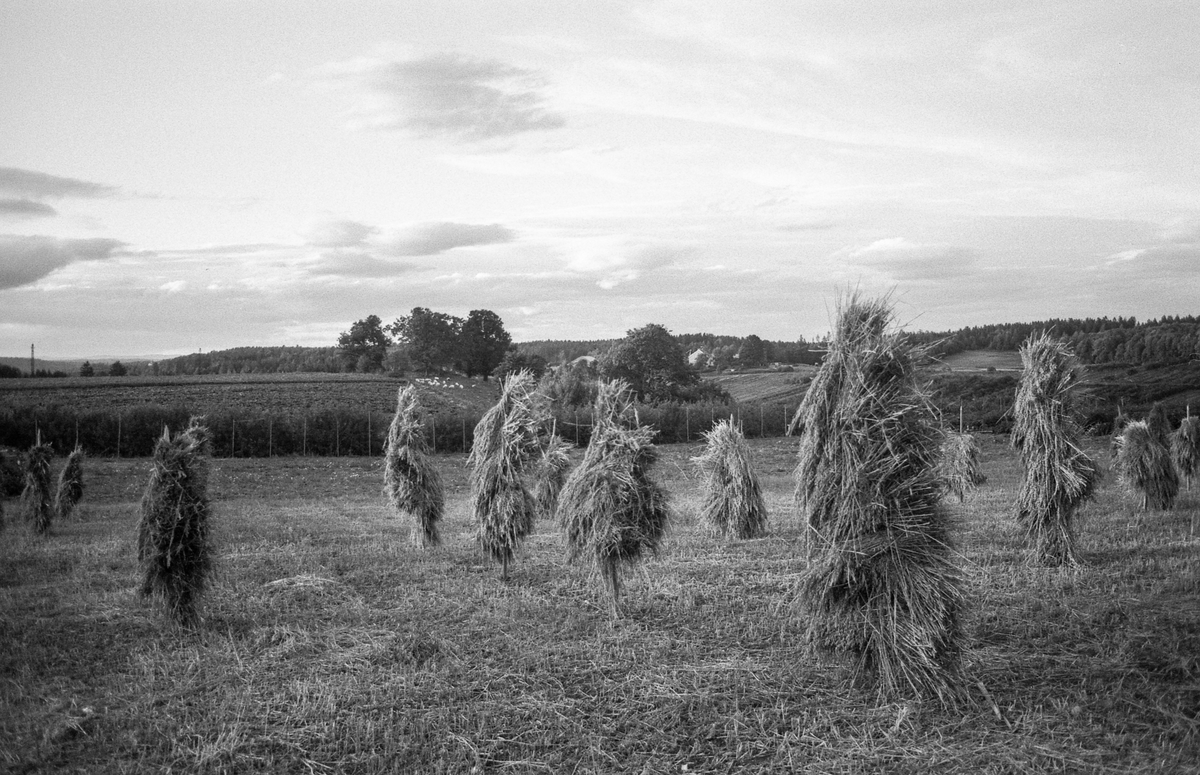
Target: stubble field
331,644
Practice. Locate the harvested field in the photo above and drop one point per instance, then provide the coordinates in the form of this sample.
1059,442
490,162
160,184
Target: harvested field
331,644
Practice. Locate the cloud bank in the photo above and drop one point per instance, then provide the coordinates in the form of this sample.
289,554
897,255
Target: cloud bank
24,260
26,208
430,239
26,183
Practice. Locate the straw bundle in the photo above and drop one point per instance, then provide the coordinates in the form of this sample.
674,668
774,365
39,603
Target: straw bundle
505,441
1144,464
609,508
37,506
550,474
958,466
1185,448
882,588
70,485
411,482
173,534
1059,475
1159,423
733,500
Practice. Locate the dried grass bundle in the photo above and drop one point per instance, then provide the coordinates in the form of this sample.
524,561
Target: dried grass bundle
36,505
173,534
70,485
610,509
550,474
1159,423
1144,464
1185,448
410,480
882,588
506,438
1059,475
733,500
958,466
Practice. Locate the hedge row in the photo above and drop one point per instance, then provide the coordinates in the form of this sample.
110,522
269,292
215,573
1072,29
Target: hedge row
133,432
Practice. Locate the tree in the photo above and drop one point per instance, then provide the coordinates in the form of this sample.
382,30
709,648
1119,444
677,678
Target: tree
484,342
117,369
86,370
364,345
651,361
514,360
753,353
431,338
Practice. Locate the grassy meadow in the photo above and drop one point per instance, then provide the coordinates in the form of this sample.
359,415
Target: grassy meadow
330,643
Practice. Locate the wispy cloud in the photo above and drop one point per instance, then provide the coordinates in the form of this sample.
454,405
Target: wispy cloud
357,265
27,183
907,261
448,95
339,234
25,208
429,239
24,260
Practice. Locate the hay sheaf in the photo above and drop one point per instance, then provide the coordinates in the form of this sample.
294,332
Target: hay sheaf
1059,475
958,467
882,589
70,485
37,505
1145,466
550,474
411,482
506,439
611,510
1185,448
733,501
174,546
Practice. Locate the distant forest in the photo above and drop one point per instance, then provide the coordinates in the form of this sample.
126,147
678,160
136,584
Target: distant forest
246,360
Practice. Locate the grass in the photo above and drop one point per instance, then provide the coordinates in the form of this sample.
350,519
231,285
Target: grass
330,644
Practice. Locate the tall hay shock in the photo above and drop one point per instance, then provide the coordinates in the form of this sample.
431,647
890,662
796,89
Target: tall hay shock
37,505
610,509
1145,466
505,441
733,502
1185,448
1059,475
958,467
173,535
882,588
70,485
411,482
550,474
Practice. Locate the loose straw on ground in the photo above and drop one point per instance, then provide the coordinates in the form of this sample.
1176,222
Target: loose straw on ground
505,441
882,588
410,480
733,502
70,485
610,509
1145,466
173,535
37,505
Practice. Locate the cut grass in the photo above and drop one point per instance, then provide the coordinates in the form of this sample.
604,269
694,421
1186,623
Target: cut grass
330,644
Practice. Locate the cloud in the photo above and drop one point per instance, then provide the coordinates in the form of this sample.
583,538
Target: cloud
26,208
450,95
339,234
429,239
26,183
24,260
356,265
904,260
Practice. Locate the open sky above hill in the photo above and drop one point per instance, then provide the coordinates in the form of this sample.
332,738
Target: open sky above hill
201,175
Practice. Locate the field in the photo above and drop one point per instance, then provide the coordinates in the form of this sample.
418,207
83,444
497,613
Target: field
331,644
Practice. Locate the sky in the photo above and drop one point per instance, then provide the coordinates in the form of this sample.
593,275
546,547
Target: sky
193,176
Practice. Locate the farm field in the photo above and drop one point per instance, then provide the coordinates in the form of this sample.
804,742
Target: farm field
331,644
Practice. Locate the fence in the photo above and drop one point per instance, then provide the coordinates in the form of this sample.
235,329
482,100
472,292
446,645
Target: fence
133,432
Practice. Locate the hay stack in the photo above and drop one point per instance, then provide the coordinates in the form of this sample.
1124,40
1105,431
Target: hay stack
550,474
1059,475
505,441
1144,464
1159,423
37,505
1185,448
609,508
882,588
70,485
173,534
733,500
958,463
411,482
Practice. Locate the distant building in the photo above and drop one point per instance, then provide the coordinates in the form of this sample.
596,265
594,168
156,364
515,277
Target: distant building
699,359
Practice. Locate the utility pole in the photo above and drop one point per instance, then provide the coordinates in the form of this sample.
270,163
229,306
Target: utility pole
31,360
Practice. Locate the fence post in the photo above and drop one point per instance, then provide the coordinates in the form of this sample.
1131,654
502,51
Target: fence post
368,433
464,434
761,433
433,426
270,436
337,438
233,438
118,435
304,440
687,422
